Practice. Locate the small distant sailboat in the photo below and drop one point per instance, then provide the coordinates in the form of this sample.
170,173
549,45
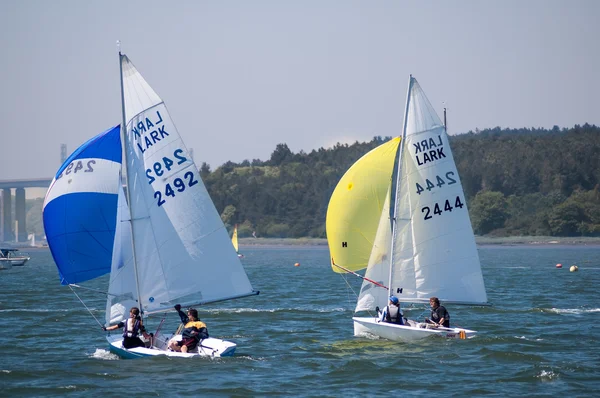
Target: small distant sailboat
147,220
234,242
400,212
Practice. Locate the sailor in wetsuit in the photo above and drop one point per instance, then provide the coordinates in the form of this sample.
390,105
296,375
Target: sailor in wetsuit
132,329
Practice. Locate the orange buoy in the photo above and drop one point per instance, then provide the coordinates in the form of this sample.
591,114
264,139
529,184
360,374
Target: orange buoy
558,265
297,265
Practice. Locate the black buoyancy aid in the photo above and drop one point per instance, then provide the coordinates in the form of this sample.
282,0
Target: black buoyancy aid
128,330
394,315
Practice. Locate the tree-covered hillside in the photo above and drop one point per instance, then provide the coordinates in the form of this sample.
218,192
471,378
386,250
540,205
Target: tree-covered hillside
516,181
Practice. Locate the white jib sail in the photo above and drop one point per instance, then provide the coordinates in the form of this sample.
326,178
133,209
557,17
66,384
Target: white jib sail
122,292
434,248
182,249
378,269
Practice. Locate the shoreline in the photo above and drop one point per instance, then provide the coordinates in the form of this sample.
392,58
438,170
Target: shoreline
480,240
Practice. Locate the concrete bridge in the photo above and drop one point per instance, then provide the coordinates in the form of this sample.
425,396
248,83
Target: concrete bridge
8,228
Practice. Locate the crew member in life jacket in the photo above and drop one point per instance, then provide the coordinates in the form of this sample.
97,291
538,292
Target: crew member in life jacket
194,331
439,314
392,312
132,328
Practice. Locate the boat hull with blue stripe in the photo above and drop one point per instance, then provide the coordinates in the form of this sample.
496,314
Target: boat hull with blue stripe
209,347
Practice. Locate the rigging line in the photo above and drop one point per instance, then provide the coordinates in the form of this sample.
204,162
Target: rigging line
350,288
360,276
202,347
86,307
93,290
353,291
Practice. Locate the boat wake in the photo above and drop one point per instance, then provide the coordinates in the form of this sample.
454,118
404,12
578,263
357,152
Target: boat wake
547,375
273,310
572,311
104,354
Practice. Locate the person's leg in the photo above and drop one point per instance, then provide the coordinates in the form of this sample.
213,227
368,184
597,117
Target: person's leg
140,343
174,345
184,348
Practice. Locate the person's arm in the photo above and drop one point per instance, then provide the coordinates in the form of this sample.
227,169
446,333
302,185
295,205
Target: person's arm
113,327
383,315
441,313
444,314
182,315
143,330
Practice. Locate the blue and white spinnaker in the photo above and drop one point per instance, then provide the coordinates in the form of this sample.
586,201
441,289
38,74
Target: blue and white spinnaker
80,209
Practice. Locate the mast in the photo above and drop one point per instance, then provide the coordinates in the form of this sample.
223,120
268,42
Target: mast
125,162
445,125
398,179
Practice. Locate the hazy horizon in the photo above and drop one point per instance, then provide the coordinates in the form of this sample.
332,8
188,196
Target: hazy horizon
241,77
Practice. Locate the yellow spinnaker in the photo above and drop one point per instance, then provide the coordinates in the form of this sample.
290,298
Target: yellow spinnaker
355,207
234,239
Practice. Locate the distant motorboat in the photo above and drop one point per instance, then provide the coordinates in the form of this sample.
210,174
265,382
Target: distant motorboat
12,257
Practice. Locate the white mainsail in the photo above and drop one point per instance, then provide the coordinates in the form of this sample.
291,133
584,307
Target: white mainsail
181,248
434,251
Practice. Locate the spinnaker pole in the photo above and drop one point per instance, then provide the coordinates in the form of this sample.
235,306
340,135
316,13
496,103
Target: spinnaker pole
359,275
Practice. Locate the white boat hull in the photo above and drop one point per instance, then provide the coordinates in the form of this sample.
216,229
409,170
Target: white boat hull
14,261
209,347
403,333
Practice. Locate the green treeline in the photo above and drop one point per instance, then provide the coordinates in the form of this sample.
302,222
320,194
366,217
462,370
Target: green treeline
517,182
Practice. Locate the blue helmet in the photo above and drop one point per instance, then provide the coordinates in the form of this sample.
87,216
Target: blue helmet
394,299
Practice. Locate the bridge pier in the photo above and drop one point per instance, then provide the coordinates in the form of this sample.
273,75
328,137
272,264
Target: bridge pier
7,228
7,214
7,224
20,214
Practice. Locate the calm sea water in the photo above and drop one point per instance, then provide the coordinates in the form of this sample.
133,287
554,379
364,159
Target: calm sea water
296,339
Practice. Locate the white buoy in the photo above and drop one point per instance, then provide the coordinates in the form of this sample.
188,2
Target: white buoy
573,268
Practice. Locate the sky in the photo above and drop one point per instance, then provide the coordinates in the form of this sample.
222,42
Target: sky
240,77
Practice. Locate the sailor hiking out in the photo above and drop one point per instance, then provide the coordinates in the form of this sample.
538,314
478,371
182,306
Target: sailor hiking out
193,333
